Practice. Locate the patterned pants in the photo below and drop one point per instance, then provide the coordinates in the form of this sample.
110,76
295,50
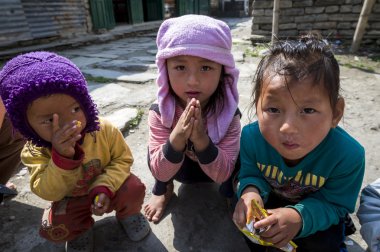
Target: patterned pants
66,219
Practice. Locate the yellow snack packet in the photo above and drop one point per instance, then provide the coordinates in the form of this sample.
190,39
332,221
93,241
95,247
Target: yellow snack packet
255,214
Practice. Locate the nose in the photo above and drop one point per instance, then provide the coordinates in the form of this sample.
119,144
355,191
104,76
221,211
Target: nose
289,125
192,78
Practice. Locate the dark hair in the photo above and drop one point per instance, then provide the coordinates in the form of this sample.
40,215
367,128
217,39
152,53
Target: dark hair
308,57
216,102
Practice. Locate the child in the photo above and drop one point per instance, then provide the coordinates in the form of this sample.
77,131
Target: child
195,127
369,215
76,160
11,144
295,159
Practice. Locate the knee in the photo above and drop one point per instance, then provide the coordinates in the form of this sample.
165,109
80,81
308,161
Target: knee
135,186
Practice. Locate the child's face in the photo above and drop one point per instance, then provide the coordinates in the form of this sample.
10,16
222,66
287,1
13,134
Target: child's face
193,77
295,119
40,114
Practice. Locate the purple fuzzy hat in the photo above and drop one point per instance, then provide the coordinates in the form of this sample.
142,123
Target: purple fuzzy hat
205,37
30,76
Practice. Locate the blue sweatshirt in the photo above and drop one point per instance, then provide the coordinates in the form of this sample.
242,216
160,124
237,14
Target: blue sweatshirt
324,186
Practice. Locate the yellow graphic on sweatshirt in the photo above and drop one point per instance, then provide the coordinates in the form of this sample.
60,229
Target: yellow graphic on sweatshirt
272,172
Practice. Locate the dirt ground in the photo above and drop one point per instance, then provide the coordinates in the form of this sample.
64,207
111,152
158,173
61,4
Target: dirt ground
360,80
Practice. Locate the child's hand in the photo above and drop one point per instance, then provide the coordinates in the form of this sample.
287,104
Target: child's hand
64,139
285,223
243,207
100,204
181,132
198,135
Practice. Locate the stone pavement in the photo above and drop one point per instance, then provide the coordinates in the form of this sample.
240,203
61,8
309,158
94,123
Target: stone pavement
118,32
121,77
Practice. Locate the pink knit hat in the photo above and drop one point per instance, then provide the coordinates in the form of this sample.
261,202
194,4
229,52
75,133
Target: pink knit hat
201,36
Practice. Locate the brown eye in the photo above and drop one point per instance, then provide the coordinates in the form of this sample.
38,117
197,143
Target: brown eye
273,110
48,121
75,110
205,68
308,111
180,68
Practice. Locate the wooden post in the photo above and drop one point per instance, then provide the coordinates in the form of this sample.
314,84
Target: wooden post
276,12
362,23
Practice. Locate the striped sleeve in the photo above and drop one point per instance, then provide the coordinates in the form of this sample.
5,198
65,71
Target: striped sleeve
164,161
221,167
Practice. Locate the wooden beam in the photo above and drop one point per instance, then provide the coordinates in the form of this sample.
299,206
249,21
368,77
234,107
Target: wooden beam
276,13
362,23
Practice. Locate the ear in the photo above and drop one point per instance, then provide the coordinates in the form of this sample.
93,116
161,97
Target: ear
338,112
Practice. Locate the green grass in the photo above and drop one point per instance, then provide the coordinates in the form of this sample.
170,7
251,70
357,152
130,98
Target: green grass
97,79
133,123
360,66
255,50
364,63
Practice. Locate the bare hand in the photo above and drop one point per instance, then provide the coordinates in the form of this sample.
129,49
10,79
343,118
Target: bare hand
243,207
101,204
285,223
181,132
64,139
198,135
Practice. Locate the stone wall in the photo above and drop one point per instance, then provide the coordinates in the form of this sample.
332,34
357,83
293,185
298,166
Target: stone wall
335,19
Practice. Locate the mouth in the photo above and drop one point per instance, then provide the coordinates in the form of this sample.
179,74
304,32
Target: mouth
290,146
192,94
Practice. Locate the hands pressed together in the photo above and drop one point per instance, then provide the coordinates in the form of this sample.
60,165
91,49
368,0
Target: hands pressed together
284,223
190,126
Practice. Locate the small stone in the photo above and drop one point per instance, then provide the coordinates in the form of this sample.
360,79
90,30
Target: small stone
375,128
22,172
349,243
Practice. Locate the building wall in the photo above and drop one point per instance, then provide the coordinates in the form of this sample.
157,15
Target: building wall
33,20
336,19
230,8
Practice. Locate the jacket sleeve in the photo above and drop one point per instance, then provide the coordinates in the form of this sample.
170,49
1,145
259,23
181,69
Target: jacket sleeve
118,168
47,180
335,199
369,215
249,174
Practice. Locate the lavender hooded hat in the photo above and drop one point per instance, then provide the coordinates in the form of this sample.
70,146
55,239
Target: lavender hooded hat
30,76
201,36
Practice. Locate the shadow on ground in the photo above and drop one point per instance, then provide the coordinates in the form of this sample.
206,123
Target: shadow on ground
201,220
16,237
